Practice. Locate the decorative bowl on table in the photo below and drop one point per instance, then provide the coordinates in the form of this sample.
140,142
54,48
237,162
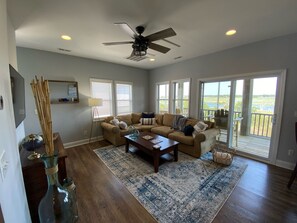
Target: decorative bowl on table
30,143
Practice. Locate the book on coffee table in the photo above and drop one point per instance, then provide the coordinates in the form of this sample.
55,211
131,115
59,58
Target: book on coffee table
155,141
147,137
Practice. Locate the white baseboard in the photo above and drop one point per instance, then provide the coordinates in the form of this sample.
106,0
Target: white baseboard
82,142
285,164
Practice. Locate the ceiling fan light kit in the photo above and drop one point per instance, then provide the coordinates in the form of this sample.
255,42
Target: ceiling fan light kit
141,43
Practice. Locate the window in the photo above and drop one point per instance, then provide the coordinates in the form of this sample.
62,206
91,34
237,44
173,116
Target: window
162,98
181,93
118,105
124,98
102,89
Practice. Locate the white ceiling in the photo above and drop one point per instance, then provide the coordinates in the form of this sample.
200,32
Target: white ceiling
200,25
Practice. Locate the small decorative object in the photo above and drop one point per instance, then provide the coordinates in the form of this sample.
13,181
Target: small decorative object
221,154
30,143
56,205
133,131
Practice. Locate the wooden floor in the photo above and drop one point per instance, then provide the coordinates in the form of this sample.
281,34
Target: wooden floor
260,196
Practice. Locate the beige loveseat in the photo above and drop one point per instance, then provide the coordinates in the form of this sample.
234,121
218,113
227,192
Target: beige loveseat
194,146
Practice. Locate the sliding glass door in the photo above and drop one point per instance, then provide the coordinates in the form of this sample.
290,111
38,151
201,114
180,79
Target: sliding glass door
244,110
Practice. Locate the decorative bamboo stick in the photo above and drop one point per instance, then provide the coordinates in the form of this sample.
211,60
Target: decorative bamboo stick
41,92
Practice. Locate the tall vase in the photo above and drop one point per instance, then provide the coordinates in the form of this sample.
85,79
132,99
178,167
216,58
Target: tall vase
56,205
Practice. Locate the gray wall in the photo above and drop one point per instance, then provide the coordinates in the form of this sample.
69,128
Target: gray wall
72,119
273,54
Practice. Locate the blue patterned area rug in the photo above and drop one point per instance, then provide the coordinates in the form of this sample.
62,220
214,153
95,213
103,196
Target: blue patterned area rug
190,190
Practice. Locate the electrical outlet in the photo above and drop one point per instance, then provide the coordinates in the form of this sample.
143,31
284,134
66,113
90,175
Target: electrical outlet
290,152
35,111
85,132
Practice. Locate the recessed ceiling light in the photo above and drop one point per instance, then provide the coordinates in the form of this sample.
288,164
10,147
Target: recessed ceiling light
230,32
66,37
152,59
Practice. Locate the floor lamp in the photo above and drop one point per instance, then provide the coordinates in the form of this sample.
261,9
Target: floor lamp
94,103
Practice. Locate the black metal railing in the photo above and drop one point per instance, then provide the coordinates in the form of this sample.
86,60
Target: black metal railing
260,124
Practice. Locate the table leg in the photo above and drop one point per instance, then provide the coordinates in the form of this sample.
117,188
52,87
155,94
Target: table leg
175,152
127,145
156,162
293,176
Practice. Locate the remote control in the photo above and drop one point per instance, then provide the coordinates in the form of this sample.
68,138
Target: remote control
156,146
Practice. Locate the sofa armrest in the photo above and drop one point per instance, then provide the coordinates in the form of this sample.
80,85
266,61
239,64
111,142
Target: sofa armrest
206,135
110,128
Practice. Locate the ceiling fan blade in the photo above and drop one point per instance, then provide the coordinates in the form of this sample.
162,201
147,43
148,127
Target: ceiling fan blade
117,43
167,41
158,47
161,34
126,28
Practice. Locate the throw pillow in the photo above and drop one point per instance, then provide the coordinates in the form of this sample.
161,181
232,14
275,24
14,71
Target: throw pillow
115,122
123,125
147,121
148,115
200,126
188,130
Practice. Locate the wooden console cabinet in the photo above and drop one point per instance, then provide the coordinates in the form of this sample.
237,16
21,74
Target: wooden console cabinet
34,176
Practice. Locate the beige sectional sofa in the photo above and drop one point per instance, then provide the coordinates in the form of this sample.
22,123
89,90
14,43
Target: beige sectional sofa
194,146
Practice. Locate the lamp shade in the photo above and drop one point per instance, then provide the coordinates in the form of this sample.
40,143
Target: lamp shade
95,102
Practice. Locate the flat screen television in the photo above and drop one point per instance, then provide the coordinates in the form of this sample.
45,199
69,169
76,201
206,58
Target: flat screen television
18,95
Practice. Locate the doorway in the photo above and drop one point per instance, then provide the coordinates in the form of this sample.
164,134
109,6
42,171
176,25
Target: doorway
247,111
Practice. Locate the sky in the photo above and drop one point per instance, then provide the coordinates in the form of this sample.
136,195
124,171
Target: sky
262,86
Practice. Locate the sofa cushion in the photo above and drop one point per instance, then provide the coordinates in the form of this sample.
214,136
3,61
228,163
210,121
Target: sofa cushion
168,119
159,119
144,128
191,121
108,119
162,130
135,118
180,137
125,118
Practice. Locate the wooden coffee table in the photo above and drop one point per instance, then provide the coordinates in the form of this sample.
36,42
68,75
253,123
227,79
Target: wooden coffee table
167,146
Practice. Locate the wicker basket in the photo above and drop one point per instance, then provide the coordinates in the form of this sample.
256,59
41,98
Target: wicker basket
222,154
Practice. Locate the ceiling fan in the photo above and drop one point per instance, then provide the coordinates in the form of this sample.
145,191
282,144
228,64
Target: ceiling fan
142,43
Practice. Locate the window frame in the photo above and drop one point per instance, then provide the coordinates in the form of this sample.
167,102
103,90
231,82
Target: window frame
111,101
173,98
158,96
116,99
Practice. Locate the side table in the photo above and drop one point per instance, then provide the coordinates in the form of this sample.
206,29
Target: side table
34,175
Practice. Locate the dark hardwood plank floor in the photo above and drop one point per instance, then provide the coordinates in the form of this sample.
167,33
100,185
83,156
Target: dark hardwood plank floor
260,196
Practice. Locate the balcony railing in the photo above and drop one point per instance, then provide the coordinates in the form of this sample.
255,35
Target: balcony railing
260,124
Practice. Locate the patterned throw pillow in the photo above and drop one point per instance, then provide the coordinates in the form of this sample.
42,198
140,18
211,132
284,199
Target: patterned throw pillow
147,121
123,125
115,122
199,127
